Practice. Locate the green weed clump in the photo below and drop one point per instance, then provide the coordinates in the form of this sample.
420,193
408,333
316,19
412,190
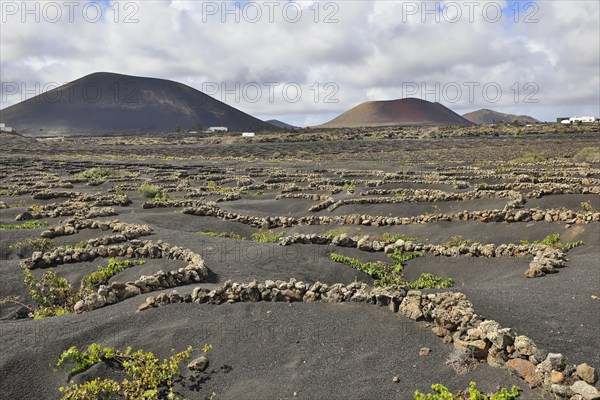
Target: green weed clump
459,240
54,295
388,275
267,236
103,274
160,197
100,174
25,225
529,158
587,206
572,245
42,245
441,392
6,192
229,235
429,281
553,240
149,191
401,195
148,378
332,233
389,238
384,274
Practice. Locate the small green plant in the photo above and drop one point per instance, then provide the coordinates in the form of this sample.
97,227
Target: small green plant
230,235
25,225
441,392
587,206
387,275
429,281
400,258
147,377
553,241
81,245
331,233
99,174
207,347
213,187
42,245
160,197
6,192
36,209
149,191
103,274
384,274
572,245
53,294
389,238
459,240
400,195
302,154
349,186
529,158
267,236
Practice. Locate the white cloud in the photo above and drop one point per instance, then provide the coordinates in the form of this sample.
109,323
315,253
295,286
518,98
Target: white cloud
375,51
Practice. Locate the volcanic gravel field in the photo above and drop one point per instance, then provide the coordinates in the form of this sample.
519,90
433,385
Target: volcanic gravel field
359,198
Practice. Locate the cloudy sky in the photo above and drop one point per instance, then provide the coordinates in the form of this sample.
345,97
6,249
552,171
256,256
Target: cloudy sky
306,62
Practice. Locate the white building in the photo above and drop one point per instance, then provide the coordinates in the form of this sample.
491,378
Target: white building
579,120
584,120
4,128
248,134
213,129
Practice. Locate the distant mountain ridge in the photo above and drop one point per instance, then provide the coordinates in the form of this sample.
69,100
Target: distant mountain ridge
487,116
108,103
401,112
281,124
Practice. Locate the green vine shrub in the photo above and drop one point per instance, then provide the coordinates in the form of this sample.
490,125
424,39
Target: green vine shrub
54,295
149,191
388,275
267,236
42,245
148,378
472,393
553,241
25,225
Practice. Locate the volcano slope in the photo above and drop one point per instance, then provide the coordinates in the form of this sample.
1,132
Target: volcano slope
106,103
514,221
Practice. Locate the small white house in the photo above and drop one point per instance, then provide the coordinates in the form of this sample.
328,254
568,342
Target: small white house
578,120
214,129
584,120
248,134
4,128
